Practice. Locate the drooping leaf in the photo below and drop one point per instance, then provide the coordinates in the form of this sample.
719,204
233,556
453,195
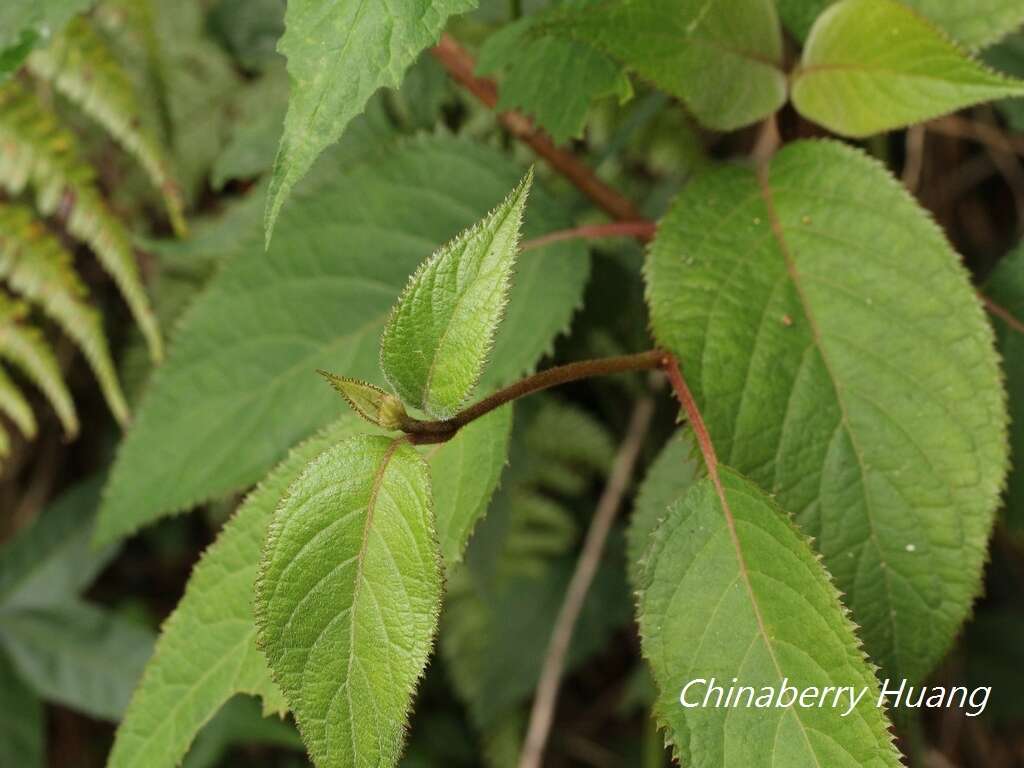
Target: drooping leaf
36,151
15,407
350,587
439,333
853,376
24,25
21,727
371,402
207,648
24,347
464,473
241,386
339,53
875,65
534,62
82,68
671,475
732,591
52,560
1005,287
77,654
37,266
728,74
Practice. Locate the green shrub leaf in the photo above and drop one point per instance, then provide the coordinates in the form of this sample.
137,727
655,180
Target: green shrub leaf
438,335
728,74
843,362
348,598
339,53
465,471
732,591
533,59
973,23
207,648
21,727
240,387
875,65
84,657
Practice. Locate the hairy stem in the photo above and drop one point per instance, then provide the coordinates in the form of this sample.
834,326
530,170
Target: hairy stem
422,432
642,230
460,66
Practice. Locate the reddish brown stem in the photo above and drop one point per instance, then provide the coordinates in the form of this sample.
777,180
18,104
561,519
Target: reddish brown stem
1002,313
642,230
460,65
424,432
700,430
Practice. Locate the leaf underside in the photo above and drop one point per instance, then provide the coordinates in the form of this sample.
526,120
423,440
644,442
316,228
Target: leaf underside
843,363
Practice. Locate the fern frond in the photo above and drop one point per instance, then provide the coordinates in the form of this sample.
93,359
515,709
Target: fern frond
14,405
36,150
25,347
38,267
5,444
81,66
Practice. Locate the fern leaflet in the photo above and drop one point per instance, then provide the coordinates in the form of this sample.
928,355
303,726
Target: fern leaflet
14,405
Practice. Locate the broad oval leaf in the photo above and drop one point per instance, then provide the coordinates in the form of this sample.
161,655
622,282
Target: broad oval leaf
438,335
348,598
728,74
240,385
207,648
843,362
733,592
339,52
875,65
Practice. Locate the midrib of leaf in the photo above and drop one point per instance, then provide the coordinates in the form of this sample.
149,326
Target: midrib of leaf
794,275
711,462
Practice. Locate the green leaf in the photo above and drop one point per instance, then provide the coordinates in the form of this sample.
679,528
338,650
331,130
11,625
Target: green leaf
372,403
240,386
350,586
51,560
973,23
339,53
21,727
875,65
217,606
669,477
83,69
81,656
37,266
24,25
207,648
438,335
732,591
1005,287
26,348
464,473
533,62
728,74
843,362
